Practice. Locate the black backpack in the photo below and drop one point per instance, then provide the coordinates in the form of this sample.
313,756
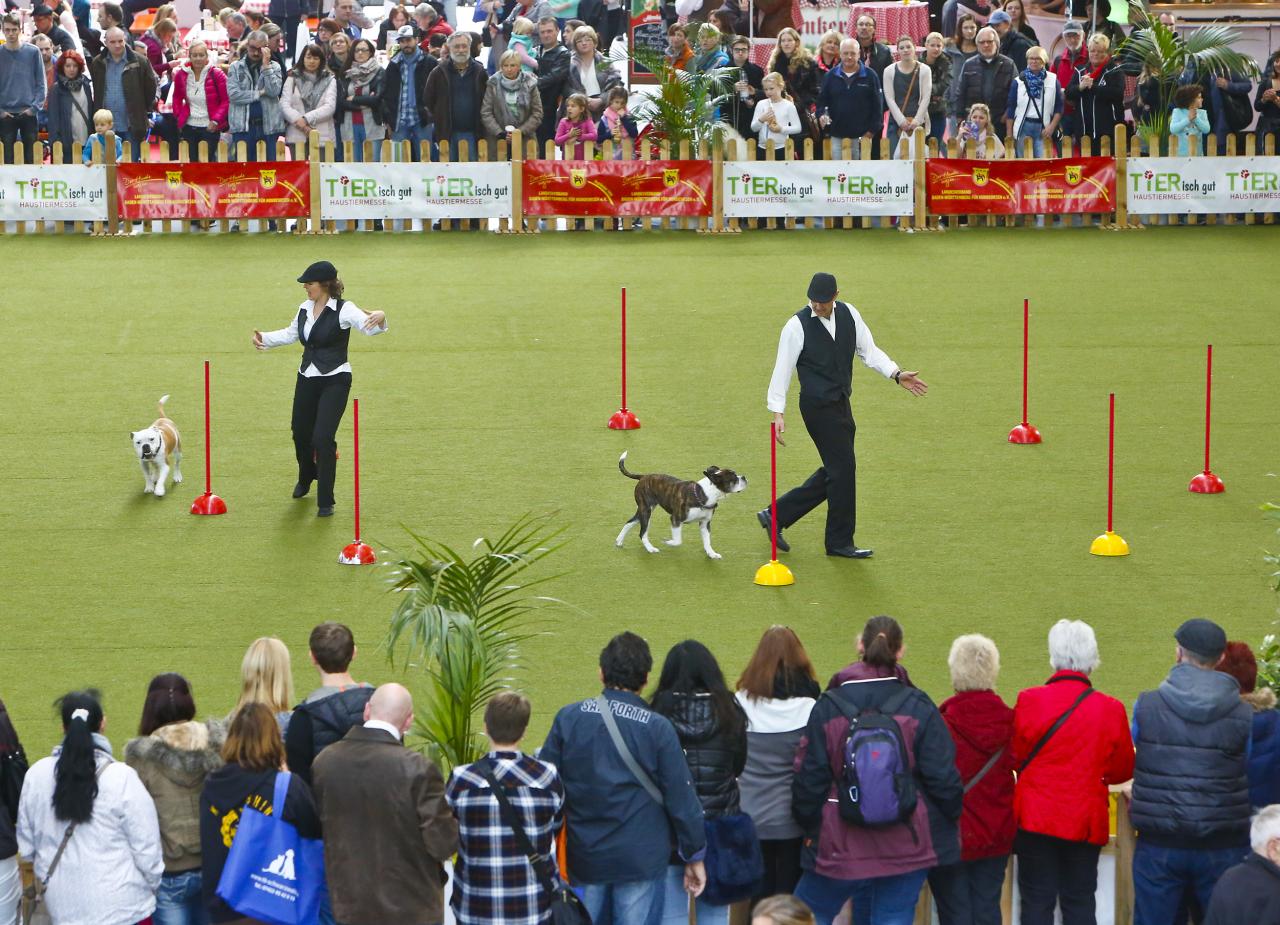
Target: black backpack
876,787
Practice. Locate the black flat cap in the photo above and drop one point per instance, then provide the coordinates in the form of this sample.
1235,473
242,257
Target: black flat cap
1203,637
822,288
319,272
41,10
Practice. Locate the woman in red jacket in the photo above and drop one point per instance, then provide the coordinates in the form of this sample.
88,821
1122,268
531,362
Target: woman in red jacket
200,101
1069,744
981,724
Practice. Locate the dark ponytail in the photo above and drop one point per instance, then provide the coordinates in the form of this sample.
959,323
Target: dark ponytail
881,642
75,775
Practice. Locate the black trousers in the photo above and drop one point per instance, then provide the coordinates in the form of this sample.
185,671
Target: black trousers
193,136
318,403
781,867
26,127
830,425
968,893
1054,871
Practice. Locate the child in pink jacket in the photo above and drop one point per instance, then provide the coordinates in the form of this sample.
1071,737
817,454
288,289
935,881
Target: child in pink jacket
575,128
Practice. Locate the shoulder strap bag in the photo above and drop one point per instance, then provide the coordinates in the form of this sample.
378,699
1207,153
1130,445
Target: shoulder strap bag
33,895
566,907
1044,739
639,773
983,771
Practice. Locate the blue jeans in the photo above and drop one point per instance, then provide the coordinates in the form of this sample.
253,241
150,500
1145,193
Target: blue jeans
358,137
251,139
1033,129
469,138
178,901
846,149
675,903
415,135
1161,875
876,900
623,903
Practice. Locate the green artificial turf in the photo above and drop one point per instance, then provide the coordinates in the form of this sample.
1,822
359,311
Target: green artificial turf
489,397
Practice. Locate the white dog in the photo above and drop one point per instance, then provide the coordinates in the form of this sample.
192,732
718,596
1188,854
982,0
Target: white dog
159,447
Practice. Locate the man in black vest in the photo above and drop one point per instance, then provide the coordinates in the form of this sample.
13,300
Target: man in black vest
1190,781
819,342
333,707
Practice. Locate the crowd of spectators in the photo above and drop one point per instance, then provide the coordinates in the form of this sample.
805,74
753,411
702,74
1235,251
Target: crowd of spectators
796,796
413,75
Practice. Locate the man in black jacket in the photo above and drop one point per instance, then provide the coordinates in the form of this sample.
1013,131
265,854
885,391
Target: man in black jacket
874,55
1250,892
985,78
1013,44
333,707
414,124
42,16
1097,90
553,72
747,90
455,91
1190,799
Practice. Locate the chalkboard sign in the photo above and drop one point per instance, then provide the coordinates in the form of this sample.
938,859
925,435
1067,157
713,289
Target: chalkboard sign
647,31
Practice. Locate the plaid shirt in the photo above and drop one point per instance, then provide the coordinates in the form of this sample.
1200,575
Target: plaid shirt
494,883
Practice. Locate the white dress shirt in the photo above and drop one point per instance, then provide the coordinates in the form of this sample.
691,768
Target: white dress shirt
385,727
349,317
792,342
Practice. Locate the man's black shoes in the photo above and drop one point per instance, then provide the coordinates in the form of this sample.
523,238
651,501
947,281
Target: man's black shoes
300,490
850,552
326,511
763,517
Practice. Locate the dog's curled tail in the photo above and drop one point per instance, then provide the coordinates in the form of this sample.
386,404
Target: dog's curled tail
160,405
622,467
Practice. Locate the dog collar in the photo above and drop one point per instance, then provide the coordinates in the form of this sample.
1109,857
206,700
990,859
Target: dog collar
700,496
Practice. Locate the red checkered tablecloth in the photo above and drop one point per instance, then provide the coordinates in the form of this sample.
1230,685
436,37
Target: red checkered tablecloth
893,20
255,6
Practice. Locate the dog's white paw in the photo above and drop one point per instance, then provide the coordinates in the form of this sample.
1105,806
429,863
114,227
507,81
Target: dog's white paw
147,489
177,478
159,491
650,548
714,555
672,542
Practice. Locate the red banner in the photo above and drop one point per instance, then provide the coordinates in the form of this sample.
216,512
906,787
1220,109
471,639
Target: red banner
271,189
999,187
614,188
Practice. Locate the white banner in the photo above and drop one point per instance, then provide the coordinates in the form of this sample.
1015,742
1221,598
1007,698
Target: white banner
425,190
1203,185
769,189
70,193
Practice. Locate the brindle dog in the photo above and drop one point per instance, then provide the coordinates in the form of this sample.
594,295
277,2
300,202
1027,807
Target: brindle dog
685,501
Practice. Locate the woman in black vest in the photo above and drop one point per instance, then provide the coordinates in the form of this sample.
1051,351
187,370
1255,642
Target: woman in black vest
323,324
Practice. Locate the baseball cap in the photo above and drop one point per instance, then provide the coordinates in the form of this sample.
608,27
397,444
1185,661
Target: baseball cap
1073,26
319,272
822,288
406,32
999,16
1203,637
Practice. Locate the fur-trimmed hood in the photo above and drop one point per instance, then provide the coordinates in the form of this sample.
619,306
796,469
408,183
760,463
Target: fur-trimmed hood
183,752
1264,698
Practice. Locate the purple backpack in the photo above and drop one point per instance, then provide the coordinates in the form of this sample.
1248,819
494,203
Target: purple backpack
875,787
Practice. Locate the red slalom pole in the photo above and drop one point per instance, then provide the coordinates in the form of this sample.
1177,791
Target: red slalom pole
356,553
1206,483
1110,544
773,573
624,419
1024,433
208,503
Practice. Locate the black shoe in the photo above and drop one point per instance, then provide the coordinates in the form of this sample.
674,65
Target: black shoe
325,511
763,517
850,552
300,490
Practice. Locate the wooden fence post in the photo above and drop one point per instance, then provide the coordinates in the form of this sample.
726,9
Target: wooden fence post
313,176
919,220
1125,837
1123,222
517,183
113,201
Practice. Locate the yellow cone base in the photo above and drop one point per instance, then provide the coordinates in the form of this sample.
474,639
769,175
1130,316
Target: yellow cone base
774,574
1109,544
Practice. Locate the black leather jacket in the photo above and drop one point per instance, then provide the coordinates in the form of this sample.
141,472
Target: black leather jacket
715,756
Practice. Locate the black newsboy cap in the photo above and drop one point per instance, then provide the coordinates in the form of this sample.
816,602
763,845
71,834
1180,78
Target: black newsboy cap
822,288
1203,637
319,272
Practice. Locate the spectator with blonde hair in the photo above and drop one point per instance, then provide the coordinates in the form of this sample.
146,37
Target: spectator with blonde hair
908,87
1097,90
589,73
709,55
776,118
1035,103
795,64
978,129
511,101
981,725
266,677
828,55
1070,743
782,910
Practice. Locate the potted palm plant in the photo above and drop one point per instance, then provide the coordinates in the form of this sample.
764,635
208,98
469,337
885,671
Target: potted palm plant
686,105
460,623
1165,57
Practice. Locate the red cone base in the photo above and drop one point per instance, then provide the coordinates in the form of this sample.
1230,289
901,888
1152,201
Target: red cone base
208,503
623,420
1206,483
357,554
1024,433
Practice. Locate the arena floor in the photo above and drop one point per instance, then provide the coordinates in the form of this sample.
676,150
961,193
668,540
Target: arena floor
488,399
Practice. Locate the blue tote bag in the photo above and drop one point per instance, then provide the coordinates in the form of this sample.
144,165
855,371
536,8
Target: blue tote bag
273,873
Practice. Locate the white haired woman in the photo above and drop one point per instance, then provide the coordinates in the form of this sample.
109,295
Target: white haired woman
1069,744
981,724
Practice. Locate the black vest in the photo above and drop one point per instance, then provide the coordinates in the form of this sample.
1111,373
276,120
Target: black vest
825,365
333,716
326,346
1190,781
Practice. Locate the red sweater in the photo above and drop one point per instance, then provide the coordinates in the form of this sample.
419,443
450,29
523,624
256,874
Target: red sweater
981,724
